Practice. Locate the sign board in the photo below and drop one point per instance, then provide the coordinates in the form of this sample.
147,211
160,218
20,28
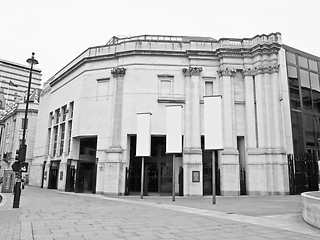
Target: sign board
24,166
174,129
16,166
143,134
213,123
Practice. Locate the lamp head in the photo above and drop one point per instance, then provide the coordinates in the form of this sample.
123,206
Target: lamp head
32,60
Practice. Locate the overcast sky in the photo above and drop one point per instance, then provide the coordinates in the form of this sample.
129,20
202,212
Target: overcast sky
59,30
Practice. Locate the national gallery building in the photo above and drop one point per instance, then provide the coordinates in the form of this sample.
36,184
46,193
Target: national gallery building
87,121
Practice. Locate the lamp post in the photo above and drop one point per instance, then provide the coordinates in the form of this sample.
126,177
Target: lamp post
23,147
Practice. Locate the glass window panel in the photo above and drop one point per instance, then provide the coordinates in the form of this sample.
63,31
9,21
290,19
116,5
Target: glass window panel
309,123
303,62
306,99
295,98
291,58
314,81
316,101
292,72
313,65
304,78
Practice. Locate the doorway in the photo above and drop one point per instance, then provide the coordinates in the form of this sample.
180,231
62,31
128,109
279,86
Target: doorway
53,174
207,170
158,169
85,173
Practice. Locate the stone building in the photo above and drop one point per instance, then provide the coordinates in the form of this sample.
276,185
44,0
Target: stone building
11,130
86,131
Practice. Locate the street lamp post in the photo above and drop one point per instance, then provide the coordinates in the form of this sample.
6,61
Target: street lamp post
23,147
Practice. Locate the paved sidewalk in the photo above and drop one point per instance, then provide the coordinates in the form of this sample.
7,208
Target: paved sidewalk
49,214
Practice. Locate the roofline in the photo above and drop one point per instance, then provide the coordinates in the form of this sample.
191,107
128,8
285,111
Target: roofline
25,67
300,52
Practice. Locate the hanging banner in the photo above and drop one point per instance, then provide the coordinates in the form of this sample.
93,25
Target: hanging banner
213,122
143,135
174,129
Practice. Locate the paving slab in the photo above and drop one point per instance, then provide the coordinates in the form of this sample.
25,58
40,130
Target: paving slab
50,214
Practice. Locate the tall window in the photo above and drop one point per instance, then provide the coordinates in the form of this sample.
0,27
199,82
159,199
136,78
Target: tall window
64,113
57,116
48,141
55,140
69,136
62,133
71,110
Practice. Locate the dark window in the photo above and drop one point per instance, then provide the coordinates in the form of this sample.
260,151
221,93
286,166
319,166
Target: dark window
295,98
297,132
306,99
316,101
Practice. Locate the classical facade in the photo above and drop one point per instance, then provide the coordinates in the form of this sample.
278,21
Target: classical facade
86,131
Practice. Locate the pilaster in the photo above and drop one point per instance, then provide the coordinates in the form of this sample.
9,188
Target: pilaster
229,168
192,153
113,168
251,126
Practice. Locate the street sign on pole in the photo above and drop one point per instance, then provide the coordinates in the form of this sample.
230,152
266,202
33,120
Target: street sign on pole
24,167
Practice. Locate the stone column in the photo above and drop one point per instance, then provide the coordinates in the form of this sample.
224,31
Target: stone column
115,165
192,153
229,168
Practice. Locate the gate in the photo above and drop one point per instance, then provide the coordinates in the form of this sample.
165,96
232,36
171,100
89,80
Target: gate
303,173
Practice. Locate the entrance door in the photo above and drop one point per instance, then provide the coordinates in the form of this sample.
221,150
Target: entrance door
158,172
85,177
53,177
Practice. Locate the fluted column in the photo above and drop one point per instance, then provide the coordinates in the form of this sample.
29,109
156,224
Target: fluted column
192,153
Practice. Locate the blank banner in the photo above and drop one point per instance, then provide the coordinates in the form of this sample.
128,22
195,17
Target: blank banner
212,123
143,135
174,129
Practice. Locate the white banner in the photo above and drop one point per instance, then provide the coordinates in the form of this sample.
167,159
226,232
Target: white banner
143,135
174,129
213,123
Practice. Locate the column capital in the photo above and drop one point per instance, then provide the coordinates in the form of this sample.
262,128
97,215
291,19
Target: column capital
247,71
226,72
118,72
192,71
262,69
